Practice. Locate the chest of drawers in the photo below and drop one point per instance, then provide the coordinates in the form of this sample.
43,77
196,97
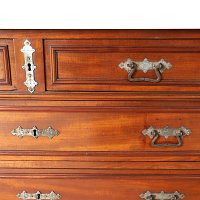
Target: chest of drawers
100,114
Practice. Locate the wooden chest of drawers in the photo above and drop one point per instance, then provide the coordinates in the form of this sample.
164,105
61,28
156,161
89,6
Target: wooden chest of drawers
100,114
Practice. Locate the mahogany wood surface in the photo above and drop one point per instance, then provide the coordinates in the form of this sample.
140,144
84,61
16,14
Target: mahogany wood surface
96,130
101,187
7,66
79,34
99,165
100,152
87,61
92,65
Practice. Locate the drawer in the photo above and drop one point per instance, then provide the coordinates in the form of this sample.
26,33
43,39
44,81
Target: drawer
99,130
7,66
93,65
101,187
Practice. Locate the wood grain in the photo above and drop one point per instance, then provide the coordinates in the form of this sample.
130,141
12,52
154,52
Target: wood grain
96,130
99,165
111,46
7,68
100,152
113,34
91,65
107,187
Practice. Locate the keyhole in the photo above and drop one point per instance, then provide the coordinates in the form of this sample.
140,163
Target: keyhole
29,66
34,132
38,196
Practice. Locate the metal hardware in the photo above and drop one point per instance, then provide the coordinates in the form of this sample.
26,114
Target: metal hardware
162,196
166,132
131,67
38,196
29,67
35,132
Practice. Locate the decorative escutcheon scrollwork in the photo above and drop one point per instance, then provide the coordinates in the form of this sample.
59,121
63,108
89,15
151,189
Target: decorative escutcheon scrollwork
166,132
38,196
132,66
162,196
35,132
28,66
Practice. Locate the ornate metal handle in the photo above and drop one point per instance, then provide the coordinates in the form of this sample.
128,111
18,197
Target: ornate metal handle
35,132
38,195
29,67
166,132
162,196
131,66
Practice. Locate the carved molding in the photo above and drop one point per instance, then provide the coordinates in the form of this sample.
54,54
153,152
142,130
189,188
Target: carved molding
5,67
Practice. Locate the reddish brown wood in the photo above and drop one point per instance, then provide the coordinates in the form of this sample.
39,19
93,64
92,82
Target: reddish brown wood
91,65
113,34
96,130
79,173
101,152
101,187
55,103
95,165
79,68
7,68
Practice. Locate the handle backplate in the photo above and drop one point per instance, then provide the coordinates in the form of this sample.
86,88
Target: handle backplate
162,196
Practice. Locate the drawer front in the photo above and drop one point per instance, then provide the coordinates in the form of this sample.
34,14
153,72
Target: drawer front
93,65
108,188
99,130
7,68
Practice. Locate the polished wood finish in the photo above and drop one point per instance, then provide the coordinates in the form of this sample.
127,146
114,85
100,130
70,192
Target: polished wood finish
99,164
96,130
93,71
7,66
100,187
100,152
79,34
91,65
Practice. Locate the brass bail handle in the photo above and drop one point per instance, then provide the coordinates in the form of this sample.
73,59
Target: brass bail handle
155,133
132,66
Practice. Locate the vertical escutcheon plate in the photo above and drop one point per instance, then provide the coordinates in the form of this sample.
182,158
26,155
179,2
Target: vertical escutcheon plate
28,66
